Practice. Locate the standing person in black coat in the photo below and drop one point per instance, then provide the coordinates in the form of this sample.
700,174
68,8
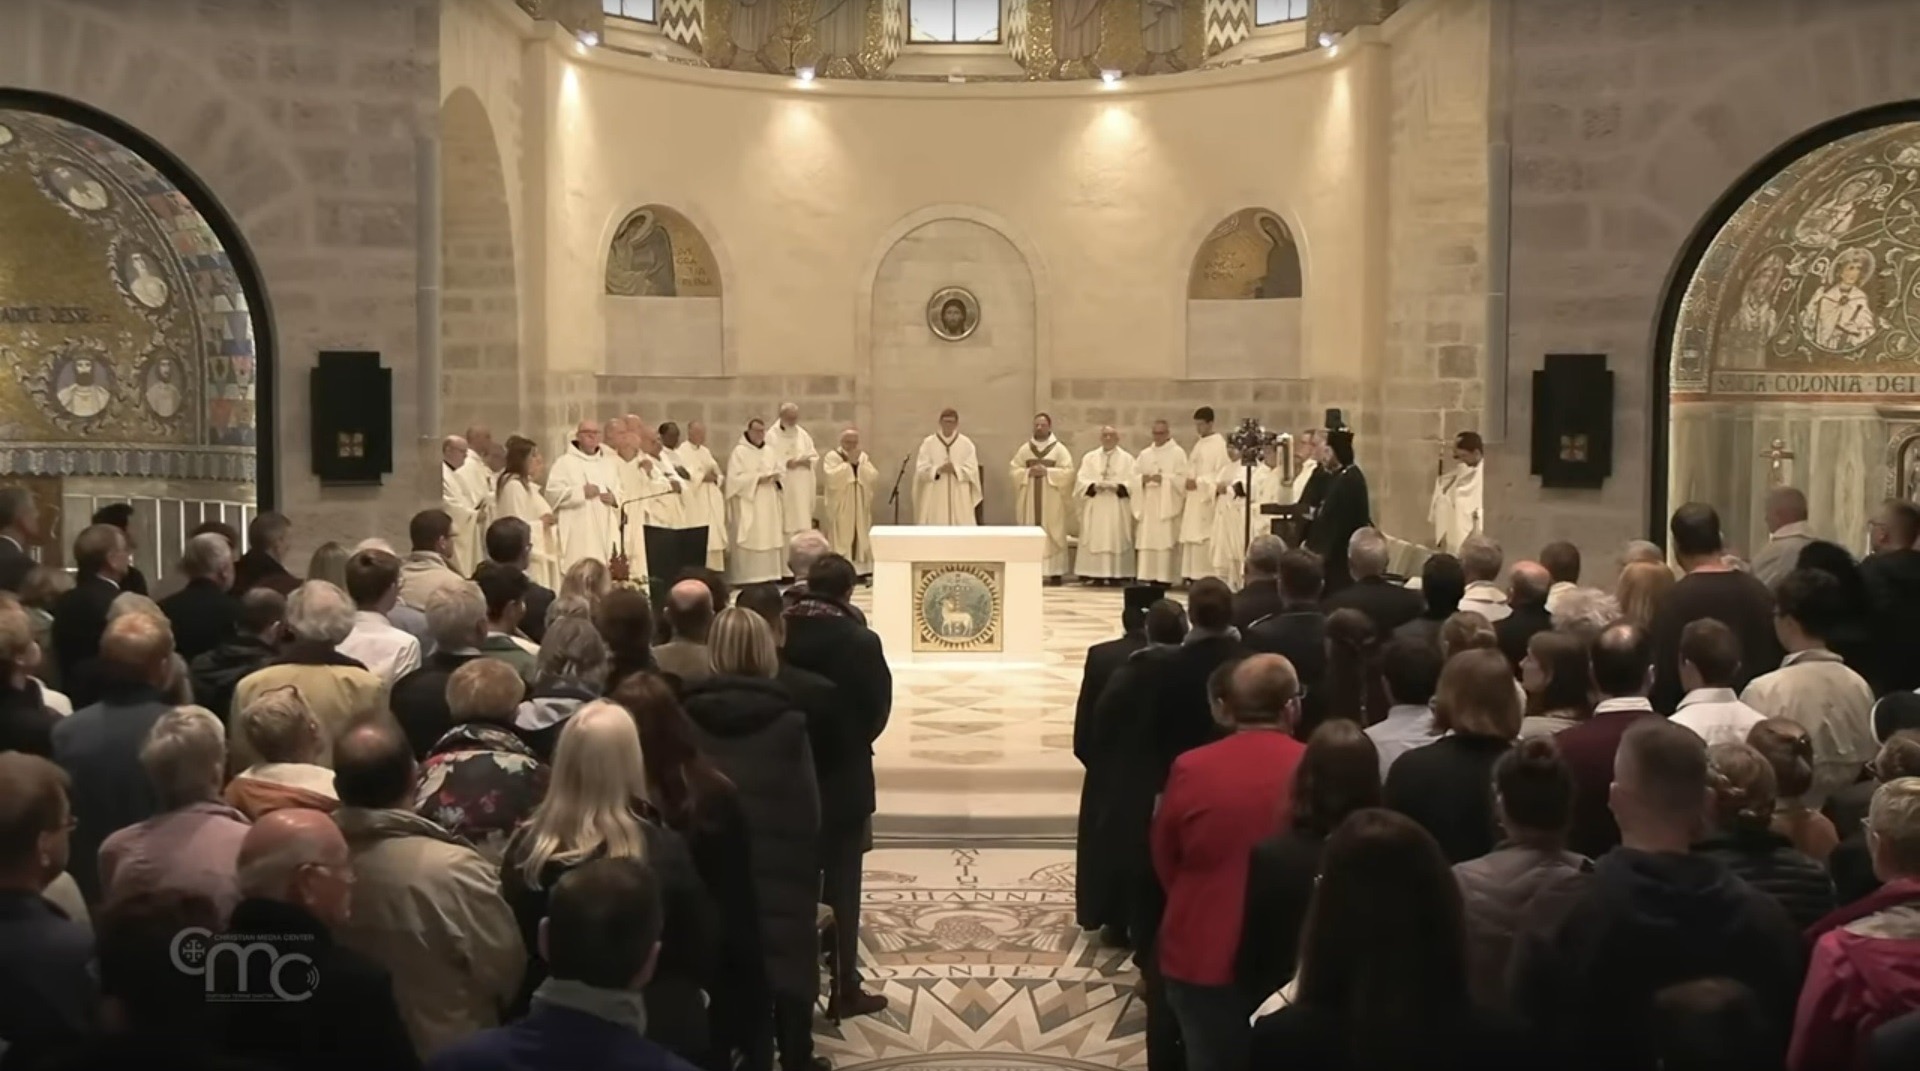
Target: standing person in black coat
258,635
269,536
1442,583
1527,586
100,559
1388,604
1447,786
457,620
1261,595
19,528
1893,578
1347,509
1297,631
1177,690
120,515
510,542
1095,902
1742,836
204,613
1711,588
26,723
756,734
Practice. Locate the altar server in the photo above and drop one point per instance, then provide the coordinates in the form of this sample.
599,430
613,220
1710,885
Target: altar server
518,495
706,501
849,482
753,500
1042,472
1233,500
1159,491
465,500
1208,457
794,447
946,478
1457,494
581,489
1106,517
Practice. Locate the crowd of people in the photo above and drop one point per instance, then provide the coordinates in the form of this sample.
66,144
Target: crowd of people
396,814
1499,818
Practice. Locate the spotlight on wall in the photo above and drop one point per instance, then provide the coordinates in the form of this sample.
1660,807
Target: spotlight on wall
588,38
1328,39
1110,77
805,74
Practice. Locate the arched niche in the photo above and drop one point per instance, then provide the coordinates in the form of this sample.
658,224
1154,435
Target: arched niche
133,332
479,292
1795,318
1244,300
663,297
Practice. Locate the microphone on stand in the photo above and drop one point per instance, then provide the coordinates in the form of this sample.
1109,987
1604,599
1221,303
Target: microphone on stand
894,498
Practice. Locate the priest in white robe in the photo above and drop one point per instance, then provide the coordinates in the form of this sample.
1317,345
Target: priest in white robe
666,505
1455,511
1042,474
465,501
1234,500
705,499
518,495
1205,460
1306,448
1159,492
581,488
1104,486
850,478
753,500
946,476
794,447
639,483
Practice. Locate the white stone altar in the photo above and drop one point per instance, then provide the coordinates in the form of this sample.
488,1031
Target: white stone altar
958,595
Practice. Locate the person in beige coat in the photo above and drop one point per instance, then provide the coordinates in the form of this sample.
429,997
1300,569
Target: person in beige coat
1814,686
426,905
340,691
426,569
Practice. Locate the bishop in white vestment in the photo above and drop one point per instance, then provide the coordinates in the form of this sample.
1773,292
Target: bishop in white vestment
946,477
753,499
1104,486
465,500
581,488
1208,457
850,478
706,500
1042,471
519,496
1159,492
794,447
1455,511
1233,501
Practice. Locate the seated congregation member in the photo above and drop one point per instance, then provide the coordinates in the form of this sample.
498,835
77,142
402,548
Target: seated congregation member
1353,688
1297,630
1618,656
1221,799
593,811
1531,875
510,542
625,621
505,590
283,732
1852,859
571,671
1387,604
756,734
339,690
1410,669
1712,588
298,884
255,642
689,613
204,613
1789,750
695,800
1709,663
1526,610
26,721
101,560
481,780
99,746
1261,595
1177,687
192,844
1654,915
1740,835
457,622
1557,676
47,991
1480,561
426,569
269,538
1442,583
1339,773
1094,895
1446,785
425,904
1383,964
602,937
1814,686
388,651
1866,956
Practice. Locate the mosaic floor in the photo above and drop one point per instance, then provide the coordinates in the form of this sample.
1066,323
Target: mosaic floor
978,953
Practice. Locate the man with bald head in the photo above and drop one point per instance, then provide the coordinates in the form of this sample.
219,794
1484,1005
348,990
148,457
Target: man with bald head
329,1008
1103,485
794,451
1221,800
705,500
1787,534
666,505
1527,586
690,613
581,487
849,476
1620,657
466,499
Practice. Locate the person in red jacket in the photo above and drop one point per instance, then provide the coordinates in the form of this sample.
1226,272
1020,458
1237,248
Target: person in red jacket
1221,800
1866,956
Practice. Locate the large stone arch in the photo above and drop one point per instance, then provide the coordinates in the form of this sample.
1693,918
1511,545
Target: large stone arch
479,293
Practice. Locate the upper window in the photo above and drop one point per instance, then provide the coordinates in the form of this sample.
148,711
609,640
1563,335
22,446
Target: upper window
953,22
629,9
1268,12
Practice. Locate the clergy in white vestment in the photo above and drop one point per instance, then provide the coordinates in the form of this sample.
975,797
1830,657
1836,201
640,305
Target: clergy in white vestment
518,495
639,482
1306,448
794,447
464,500
1159,492
1233,501
753,499
1042,474
1204,462
705,501
1455,511
667,506
1106,511
850,477
946,476
581,488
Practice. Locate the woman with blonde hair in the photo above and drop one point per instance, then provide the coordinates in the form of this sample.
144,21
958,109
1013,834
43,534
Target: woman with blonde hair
1447,785
755,732
1466,630
517,494
588,580
329,563
596,807
1642,587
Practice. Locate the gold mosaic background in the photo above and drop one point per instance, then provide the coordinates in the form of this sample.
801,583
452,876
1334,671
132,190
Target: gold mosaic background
1240,260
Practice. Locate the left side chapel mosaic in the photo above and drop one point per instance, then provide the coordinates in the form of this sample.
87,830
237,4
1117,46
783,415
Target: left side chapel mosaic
125,336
